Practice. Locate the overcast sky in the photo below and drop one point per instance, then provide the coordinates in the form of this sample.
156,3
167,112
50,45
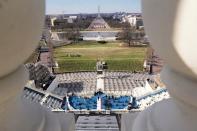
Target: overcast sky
90,6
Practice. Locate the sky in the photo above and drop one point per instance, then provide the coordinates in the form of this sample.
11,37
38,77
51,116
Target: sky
91,6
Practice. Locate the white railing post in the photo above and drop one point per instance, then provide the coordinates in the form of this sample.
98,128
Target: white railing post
171,27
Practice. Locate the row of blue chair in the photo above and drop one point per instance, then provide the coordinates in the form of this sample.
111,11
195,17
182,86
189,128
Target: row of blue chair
107,102
110,102
83,103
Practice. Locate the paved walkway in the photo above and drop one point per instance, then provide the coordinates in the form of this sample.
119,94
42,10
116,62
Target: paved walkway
100,83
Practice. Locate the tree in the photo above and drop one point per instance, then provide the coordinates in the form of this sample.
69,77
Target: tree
128,34
73,34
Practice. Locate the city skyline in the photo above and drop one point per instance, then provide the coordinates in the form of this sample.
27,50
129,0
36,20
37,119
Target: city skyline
90,6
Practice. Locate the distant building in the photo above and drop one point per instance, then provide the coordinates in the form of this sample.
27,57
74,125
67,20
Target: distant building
135,20
132,20
99,36
98,23
139,23
120,16
56,21
71,19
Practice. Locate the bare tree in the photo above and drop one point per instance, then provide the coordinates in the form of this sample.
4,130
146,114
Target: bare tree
128,34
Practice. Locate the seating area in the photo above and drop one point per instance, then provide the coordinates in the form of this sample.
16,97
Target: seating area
32,95
40,74
129,75
99,100
150,99
85,83
82,84
125,84
97,123
70,87
81,103
53,103
79,91
76,76
107,102
122,83
110,102
118,103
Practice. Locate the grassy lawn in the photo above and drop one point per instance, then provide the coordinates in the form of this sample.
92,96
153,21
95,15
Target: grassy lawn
83,56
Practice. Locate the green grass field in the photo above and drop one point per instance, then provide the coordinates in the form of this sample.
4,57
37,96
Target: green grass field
82,56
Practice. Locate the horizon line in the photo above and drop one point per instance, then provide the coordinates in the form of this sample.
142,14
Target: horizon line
92,13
